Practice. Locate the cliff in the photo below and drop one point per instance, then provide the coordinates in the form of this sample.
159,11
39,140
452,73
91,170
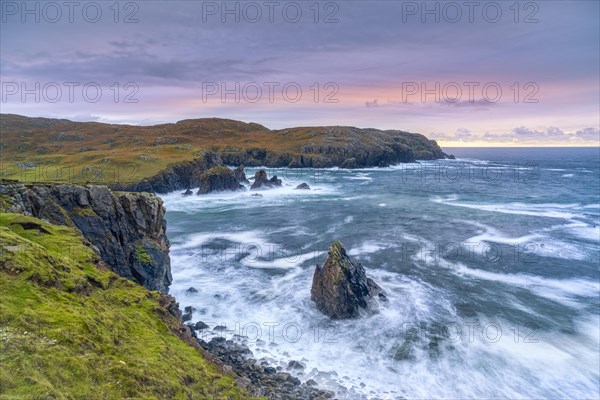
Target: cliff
167,157
71,329
184,175
127,230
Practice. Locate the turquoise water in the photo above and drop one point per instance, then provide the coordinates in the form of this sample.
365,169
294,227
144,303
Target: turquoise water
490,263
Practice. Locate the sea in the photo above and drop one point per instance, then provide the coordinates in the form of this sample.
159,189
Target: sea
490,263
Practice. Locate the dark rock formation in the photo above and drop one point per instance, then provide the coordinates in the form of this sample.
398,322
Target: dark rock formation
349,163
240,175
127,230
218,179
175,177
341,289
303,186
342,146
262,181
188,192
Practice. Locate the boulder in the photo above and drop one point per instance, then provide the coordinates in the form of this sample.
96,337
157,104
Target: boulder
303,186
200,326
240,175
262,181
187,192
218,179
340,288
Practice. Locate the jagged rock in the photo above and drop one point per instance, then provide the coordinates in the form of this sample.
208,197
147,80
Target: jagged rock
240,175
127,230
259,377
262,181
200,326
303,186
187,192
218,179
191,290
295,365
340,288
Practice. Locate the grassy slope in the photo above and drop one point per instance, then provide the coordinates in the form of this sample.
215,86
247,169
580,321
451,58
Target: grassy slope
71,330
61,148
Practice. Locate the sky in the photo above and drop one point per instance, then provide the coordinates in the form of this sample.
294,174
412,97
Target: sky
465,73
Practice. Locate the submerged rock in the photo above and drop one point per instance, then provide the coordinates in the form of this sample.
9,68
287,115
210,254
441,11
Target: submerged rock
218,179
303,186
262,181
340,288
187,192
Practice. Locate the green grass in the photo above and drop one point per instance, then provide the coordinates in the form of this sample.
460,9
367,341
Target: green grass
72,330
217,171
142,255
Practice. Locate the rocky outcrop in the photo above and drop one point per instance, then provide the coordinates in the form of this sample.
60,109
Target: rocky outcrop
262,181
218,179
240,175
340,288
303,186
175,177
341,146
127,230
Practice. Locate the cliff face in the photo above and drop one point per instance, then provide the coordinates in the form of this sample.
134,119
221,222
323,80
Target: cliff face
127,230
341,146
82,332
180,176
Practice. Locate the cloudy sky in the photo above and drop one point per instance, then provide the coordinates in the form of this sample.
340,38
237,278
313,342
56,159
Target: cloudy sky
463,73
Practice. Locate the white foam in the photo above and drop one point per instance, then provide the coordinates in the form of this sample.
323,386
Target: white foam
289,261
365,248
584,231
537,243
563,291
550,210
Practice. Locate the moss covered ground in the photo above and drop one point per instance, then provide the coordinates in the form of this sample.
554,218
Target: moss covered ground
72,329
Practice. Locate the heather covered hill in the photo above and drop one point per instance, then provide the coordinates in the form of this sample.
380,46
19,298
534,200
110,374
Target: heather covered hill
42,149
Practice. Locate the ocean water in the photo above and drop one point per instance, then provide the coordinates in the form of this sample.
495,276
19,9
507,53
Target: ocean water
490,263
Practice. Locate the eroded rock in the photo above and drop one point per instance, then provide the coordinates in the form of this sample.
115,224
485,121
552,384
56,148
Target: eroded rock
340,288
218,179
262,181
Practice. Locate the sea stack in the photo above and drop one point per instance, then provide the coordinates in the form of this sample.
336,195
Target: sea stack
262,181
341,289
218,179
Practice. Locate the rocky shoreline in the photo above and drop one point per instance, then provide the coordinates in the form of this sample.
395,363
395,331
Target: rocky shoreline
128,232
260,377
